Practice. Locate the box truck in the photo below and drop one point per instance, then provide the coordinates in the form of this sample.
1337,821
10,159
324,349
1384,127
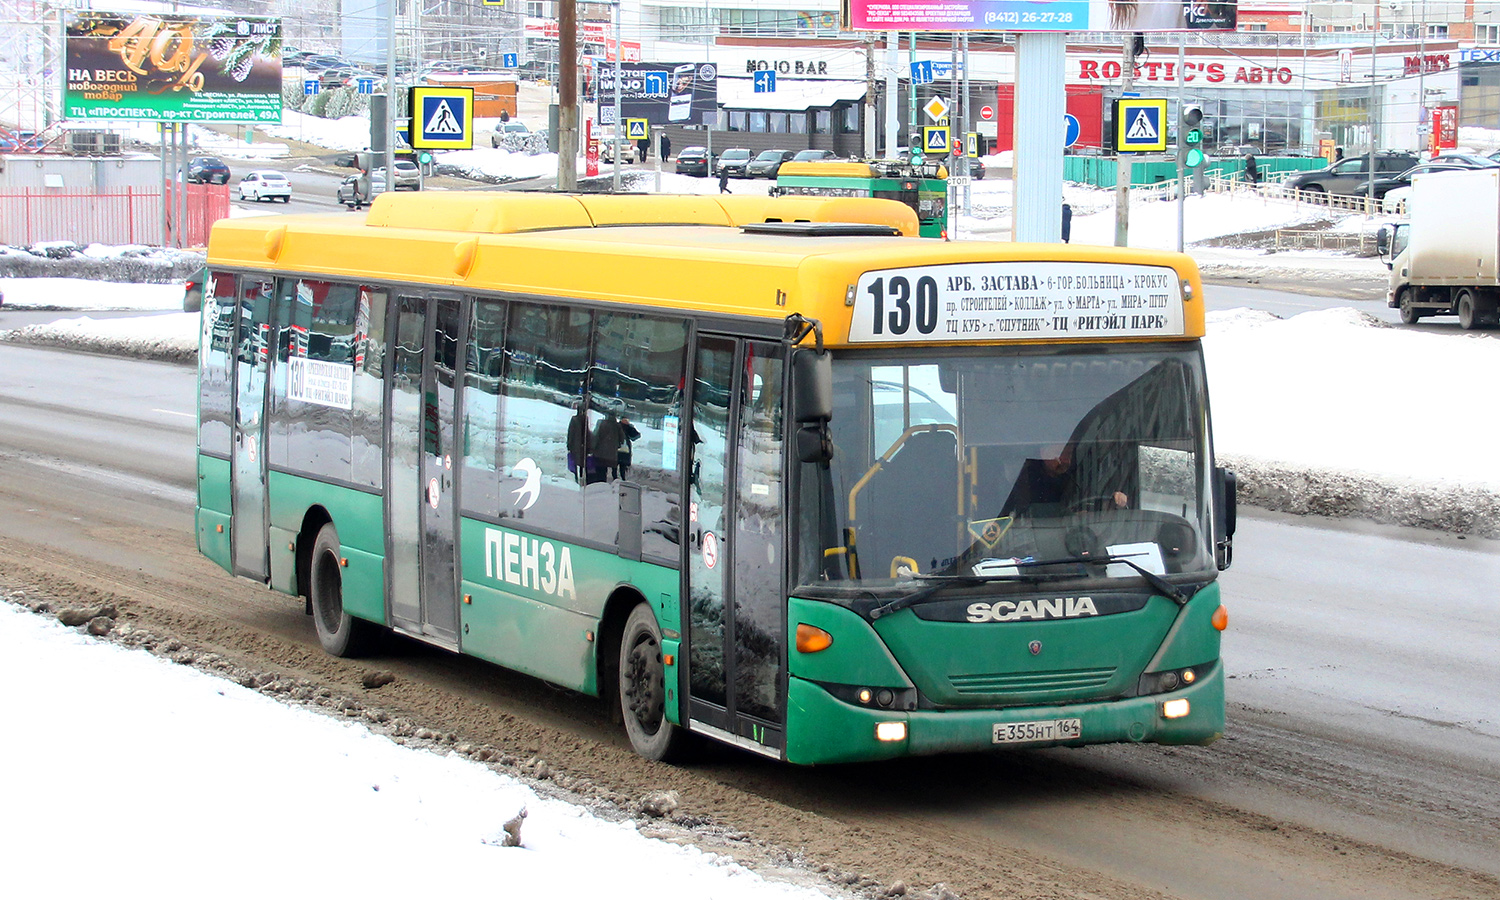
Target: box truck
1445,259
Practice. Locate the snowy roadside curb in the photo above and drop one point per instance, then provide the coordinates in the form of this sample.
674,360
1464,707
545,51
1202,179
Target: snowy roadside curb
1460,509
131,346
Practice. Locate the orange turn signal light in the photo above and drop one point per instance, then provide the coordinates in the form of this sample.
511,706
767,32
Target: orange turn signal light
1221,618
811,639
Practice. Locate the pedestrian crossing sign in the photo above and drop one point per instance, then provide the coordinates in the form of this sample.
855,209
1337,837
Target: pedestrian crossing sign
935,140
1140,125
442,118
637,129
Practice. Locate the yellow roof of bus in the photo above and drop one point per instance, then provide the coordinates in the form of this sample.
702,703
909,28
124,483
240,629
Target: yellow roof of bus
669,252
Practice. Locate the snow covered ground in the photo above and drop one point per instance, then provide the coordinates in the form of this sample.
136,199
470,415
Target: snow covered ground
129,772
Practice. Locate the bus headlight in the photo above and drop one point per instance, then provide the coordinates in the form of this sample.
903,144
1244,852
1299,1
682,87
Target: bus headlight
890,731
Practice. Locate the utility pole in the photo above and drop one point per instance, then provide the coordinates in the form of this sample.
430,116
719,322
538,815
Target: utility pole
1374,104
567,95
869,95
1122,159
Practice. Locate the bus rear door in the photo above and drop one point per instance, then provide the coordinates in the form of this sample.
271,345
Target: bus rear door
423,586
734,571
247,449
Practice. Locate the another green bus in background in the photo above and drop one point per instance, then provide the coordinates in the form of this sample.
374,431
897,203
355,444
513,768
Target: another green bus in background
922,187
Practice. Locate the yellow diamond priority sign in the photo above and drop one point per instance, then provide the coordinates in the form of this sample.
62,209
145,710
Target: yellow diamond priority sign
936,109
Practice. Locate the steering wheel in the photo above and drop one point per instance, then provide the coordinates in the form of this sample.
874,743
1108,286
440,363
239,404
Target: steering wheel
1093,503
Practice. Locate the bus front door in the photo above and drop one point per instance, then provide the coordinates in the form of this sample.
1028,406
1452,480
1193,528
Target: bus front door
735,586
423,594
252,360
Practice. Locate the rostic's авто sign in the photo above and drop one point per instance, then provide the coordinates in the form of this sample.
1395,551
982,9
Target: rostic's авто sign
172,68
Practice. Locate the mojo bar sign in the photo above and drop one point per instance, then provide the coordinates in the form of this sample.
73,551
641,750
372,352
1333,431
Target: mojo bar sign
1016,301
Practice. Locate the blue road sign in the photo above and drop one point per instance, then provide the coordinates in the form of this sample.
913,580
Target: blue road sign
765,81
509,60
935,140
311,86
365,85
1071,130
655,83
442,118
921,72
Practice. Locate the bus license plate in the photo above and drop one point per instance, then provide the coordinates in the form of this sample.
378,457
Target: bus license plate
1048,730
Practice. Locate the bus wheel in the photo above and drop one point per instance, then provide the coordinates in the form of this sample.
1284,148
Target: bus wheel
1409,314
643,689
340,633
1468,312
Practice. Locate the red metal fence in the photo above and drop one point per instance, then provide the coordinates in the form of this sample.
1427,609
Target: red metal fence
122,216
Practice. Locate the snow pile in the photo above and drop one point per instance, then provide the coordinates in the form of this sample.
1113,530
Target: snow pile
172,337
1326,413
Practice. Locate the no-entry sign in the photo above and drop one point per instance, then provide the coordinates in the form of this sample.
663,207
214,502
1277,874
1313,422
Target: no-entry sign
987,112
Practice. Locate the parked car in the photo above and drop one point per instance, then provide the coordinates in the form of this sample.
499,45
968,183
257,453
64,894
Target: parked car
734,161
767,163
976,168
1384,186
207,170
192,291
348,190
693,161
628,150
1396,199
1467,159
1348,175
264,184
408,175
513,126
814,156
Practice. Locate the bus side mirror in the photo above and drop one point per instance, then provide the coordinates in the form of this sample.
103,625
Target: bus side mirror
1226,503
812,386
812,404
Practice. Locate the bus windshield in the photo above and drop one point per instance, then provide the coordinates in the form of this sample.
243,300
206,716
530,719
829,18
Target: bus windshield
986,464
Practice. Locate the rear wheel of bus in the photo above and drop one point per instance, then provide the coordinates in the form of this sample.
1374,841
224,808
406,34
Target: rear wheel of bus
643,690
340,633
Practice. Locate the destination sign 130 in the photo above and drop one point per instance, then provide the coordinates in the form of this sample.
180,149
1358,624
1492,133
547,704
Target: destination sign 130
1016,301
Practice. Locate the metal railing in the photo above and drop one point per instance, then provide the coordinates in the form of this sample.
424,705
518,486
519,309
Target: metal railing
126,215
1345,241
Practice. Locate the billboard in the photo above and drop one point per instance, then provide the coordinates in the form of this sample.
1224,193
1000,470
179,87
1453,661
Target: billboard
663,93
1038,15
172,68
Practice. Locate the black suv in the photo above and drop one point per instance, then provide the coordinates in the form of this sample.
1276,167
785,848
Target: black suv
1351,174
207,170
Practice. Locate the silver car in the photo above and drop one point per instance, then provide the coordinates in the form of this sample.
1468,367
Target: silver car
408,175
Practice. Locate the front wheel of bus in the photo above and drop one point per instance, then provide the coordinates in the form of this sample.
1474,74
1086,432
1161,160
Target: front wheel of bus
643,689
340,633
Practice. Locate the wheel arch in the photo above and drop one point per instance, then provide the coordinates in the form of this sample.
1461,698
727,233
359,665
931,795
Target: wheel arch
312,522
617,609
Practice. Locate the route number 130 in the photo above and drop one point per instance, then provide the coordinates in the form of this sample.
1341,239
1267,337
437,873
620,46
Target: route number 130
894,306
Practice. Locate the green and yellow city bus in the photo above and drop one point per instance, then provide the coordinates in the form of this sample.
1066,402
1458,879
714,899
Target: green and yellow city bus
757,469
923,187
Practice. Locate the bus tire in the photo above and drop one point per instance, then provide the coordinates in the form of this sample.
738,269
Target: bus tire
340,633
1468,311
643,689
1409,313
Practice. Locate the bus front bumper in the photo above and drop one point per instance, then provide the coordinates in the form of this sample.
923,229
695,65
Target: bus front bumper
823,729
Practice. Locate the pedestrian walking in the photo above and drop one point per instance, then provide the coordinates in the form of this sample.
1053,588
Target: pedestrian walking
1252,171
666,147
724,181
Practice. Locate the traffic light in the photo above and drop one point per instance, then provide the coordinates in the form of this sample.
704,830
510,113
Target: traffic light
1192,135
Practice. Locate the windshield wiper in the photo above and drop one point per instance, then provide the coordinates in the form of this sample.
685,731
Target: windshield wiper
1164,587
938,582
